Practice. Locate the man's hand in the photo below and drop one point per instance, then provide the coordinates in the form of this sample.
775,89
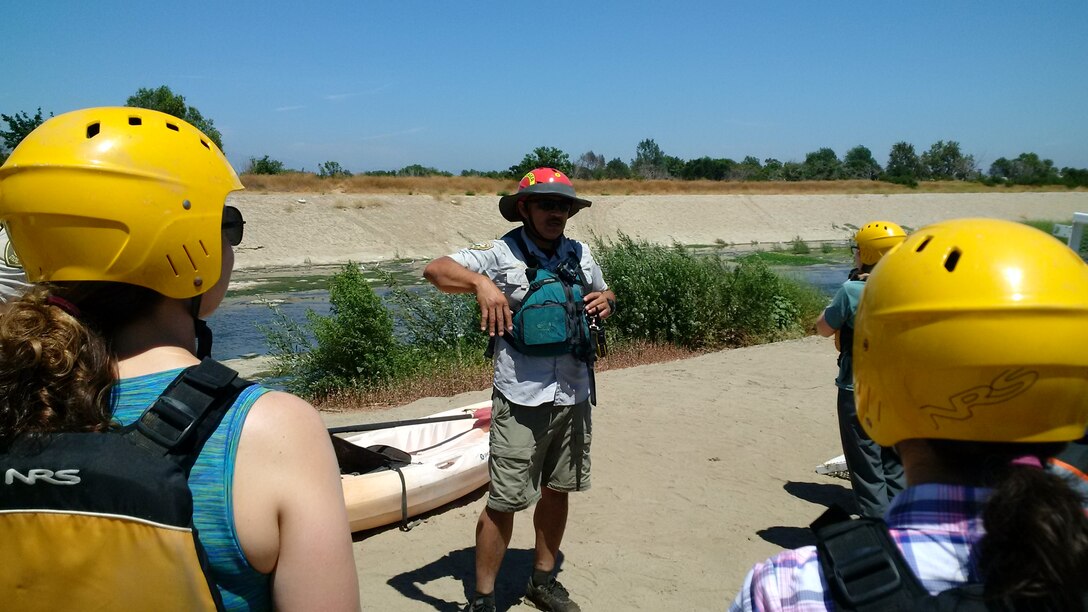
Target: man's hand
600,303
496,318
451,277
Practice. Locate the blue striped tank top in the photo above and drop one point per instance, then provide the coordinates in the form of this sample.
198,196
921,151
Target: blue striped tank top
242,587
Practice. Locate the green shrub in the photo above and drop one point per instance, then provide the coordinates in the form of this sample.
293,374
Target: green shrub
799,246
666,295
439,322
332,169
357,346
264,165
352,347
670,295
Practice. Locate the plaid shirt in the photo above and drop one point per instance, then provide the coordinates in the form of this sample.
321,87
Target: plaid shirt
936,528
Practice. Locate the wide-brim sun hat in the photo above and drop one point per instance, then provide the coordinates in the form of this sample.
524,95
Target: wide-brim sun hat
541,181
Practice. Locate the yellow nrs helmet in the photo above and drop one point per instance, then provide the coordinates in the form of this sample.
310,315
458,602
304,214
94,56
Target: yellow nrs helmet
974,329
876,239
118,194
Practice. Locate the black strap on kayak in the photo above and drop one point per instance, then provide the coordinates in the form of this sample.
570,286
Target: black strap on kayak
404,524
355,459
397,460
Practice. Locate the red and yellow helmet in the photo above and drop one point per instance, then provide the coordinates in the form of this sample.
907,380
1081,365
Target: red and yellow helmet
974,329
118,194
537,182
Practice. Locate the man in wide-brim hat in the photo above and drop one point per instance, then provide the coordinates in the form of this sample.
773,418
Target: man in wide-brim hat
541,408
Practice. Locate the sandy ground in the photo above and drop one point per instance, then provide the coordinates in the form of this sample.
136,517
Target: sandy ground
701,467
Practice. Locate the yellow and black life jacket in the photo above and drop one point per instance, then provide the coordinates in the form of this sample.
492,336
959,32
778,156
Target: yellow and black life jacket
104,521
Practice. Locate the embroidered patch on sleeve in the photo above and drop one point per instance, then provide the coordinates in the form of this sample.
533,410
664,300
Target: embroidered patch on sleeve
482,246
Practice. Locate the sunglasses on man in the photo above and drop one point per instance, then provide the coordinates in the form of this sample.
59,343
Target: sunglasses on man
233,224
553,205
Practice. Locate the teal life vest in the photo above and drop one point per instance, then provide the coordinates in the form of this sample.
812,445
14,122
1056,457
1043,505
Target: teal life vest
551,319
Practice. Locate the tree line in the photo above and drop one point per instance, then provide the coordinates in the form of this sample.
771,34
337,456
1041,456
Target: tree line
942,161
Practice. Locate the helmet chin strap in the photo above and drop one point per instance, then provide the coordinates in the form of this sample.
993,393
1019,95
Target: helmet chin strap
203,332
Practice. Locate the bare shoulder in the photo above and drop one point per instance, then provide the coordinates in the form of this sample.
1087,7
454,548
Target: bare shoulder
277,417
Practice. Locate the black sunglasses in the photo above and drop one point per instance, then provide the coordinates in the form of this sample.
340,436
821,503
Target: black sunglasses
552,205
233,224
854,248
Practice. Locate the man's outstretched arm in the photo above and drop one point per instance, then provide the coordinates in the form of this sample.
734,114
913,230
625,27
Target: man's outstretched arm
451,277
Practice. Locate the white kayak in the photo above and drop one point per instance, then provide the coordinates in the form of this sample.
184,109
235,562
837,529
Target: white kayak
448,461
835,466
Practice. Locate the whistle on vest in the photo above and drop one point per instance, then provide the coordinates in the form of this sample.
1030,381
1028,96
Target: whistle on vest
597,336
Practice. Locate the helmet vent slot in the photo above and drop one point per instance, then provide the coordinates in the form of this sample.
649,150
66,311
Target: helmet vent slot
205,144
93,129
922,246
135,121
189,255
203,247
172,266
172,126
952,259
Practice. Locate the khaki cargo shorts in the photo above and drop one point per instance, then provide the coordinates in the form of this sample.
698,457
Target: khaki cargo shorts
535,444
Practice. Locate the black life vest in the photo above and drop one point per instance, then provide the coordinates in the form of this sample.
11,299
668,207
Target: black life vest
104,521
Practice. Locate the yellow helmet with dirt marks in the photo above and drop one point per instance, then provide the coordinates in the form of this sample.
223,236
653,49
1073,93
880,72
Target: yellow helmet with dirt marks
974,329
876,239
118,194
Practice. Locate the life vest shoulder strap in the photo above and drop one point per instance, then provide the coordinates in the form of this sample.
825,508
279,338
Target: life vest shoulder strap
866,571
186,414
516,241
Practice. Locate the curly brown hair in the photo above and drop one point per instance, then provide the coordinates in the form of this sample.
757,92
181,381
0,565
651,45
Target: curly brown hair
56,371
1034,555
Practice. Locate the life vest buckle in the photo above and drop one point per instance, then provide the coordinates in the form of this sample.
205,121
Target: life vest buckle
168,422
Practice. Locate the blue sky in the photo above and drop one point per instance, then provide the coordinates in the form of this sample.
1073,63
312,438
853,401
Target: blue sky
459,85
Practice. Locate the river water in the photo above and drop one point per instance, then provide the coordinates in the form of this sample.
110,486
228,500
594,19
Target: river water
236,324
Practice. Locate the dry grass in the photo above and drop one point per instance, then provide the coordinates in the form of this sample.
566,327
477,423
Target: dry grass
452,382
439,186
295,182
439,384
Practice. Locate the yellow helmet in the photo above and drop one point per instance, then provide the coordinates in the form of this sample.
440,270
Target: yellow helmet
118,194
876,239
974,329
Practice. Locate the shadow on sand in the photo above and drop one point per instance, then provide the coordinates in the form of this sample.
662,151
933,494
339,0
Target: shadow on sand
823,494
514,573
461,564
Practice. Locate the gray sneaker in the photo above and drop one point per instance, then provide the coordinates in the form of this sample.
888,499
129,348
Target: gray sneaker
481,605
551,597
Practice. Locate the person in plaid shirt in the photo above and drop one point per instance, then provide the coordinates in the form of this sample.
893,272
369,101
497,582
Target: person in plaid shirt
971,361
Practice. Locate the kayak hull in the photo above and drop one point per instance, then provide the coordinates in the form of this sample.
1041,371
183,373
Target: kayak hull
836,466
449,461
